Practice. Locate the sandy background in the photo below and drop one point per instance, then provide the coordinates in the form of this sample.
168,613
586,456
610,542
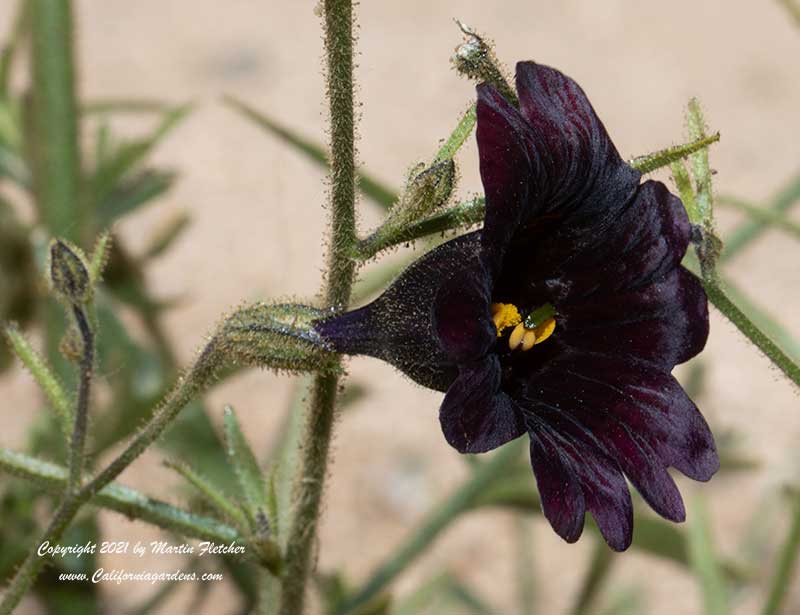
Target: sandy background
258,219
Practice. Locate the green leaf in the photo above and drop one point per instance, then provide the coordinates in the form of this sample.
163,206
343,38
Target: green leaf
211,494
124,105
133,192
777,220
747,232
44,376
787,561
110,194
249,477
285,456
594,579
371,187
704,561
665,157
166,236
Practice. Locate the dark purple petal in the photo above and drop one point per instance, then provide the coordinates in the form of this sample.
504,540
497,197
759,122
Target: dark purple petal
606,393
646,241
461,314
632,451
567,459
505,169
665,322
559,487
476,416
397,327
577,173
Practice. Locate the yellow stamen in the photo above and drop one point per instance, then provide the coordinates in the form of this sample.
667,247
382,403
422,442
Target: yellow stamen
543,331
515,339
529,339
505,315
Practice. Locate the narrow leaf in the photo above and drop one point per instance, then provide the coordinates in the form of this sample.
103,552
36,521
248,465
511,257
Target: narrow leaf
371,187
251,481
665,157
787,561
704,561
45,378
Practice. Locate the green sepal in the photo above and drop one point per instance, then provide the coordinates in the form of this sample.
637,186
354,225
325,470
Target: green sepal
273,336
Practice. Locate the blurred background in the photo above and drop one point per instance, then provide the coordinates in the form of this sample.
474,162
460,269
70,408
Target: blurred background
257,231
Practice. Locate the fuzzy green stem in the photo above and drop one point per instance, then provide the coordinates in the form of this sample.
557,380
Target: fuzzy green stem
187,388
44,377
33,564
55,116
124,500
786,564
741,321
78,442
665,157
437,521
463,214
338,17
456,139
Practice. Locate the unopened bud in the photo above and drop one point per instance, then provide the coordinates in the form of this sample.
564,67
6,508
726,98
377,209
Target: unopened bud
428,190
475,58
69,273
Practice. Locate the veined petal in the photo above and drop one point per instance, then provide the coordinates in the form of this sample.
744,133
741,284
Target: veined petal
505,170
476,416
665,322
578,175
461,317
574,473
604,393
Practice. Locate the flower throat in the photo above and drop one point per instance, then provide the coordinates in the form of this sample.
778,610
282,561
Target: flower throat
535,328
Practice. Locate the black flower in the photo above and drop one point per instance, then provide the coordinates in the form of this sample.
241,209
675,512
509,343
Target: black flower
563,317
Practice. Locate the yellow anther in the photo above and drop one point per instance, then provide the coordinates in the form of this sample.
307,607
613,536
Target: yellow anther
529,339
515,339
505,315
543,331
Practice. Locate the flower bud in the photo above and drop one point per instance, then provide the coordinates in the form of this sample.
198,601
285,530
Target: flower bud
69,273
278,336
428,190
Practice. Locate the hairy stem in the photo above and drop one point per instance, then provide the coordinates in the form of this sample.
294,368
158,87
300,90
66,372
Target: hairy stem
124,500
33,564
341,269
78,442
741,321
186,389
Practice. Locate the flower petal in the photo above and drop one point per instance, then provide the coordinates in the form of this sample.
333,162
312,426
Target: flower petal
397,327
577,173
665,322
476,416
605,393
505,169
567,460
646,241
632,451
461,315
